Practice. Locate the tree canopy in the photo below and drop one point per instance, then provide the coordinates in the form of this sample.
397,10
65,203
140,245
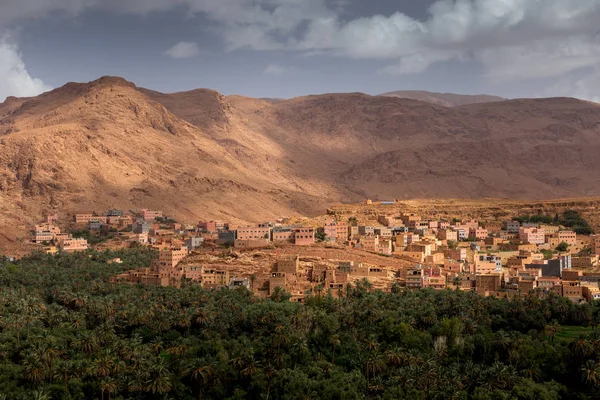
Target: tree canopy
66,332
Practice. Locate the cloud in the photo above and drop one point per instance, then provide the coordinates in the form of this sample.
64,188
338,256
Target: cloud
278,70
14,78
183,50
510,39
583,87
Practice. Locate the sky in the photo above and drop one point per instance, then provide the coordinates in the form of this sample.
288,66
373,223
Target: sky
287,48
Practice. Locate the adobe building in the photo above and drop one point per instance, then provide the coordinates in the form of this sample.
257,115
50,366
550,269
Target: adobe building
283,235
488,283
304,236
253,232
277,279
532,235
72,245
478,233
150,215
169,258
250,244
288,265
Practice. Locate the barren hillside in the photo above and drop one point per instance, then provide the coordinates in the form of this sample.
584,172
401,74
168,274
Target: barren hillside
443,99
199,154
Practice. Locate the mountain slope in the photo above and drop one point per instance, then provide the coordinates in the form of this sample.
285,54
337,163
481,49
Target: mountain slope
199,154
443,99
108,144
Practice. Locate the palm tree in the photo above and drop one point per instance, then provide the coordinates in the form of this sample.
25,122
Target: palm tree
335,341
159,381
33,369
582,349
590,373
552,328
109,386
203,373
251,366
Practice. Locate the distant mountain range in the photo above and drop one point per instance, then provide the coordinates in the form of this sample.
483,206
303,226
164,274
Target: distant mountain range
199,154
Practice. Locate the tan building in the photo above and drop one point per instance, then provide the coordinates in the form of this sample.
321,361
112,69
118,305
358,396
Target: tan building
447,234
212,278
72,245
568,237
288,265
424,248
251,244
478,233
490,283
169,258
485,267
416,256
572,290
277,279
595,244
253,232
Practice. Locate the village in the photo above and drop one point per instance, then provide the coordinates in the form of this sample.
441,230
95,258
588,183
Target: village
493,258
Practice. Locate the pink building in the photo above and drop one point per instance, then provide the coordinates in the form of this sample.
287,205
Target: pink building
478,233
336,231
370,243
211,226
532,235
304,236
444,225
150,215
330,230
253,232
283,235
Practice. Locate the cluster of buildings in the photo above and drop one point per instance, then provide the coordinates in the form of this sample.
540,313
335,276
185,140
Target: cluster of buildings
493,258
497,259
49,234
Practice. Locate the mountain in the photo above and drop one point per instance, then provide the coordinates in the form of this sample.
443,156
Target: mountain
444,99
200,154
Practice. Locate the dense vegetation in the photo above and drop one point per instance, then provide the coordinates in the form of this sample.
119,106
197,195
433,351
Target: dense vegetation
575,221
570,219
66,333
95,237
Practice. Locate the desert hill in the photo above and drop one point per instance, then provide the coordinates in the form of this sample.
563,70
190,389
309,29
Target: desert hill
200,154
443,99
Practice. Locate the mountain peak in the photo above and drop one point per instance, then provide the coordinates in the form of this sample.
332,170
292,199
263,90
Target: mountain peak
111,81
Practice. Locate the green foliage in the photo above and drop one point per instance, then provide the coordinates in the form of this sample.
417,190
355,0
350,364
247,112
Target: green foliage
320,236
66,332
536,219
548,254
570,218
574,220
562,246
93,238
452,244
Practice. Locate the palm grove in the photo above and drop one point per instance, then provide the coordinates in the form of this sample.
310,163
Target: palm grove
67,333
